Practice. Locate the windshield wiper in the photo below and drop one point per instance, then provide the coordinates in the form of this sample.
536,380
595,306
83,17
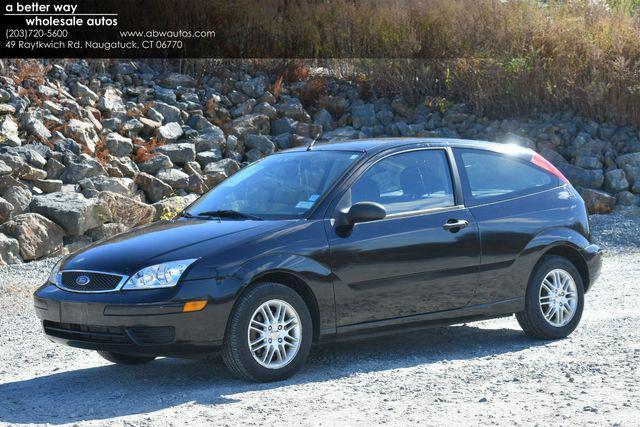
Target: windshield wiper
222,214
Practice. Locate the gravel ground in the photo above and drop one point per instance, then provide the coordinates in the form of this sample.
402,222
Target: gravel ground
479,373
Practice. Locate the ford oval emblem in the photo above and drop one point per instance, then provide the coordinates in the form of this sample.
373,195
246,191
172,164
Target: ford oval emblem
82,280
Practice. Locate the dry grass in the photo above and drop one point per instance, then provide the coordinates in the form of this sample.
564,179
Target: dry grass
516,57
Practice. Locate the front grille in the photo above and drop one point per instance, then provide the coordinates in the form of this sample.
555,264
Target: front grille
101,334
98,282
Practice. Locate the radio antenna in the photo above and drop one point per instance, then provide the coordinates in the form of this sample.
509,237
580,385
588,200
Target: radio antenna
310,146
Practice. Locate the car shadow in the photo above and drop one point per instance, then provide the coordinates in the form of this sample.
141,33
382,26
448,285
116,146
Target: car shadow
104,392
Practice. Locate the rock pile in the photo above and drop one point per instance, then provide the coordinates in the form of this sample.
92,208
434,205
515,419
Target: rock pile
88,150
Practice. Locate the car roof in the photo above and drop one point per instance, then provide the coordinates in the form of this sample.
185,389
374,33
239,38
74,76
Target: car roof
374,145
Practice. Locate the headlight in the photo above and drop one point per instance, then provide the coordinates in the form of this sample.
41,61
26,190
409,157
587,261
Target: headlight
53,276
163,275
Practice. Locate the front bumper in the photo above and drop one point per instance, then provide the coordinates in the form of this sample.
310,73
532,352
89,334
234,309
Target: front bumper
136,322
592,255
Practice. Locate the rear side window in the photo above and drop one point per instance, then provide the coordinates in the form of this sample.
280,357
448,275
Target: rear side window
493,177
406,182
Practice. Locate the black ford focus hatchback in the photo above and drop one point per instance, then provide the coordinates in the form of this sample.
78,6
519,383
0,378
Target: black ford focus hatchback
312,244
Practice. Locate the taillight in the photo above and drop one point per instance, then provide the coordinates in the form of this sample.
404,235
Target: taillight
545,164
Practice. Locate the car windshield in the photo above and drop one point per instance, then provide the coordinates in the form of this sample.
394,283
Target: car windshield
285,185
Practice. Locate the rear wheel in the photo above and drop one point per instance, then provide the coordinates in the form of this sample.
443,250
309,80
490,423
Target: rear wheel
125,359
269,334
554,300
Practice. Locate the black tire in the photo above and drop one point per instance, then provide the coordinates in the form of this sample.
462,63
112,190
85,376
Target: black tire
236,353
532,320
125,359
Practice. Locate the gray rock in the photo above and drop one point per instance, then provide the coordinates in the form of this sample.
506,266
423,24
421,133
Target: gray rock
174,177
633,176
7,109
555,158
174,80
5,169
336,105
106,231
308,130
37,129
363,115
254,155
266,109
254,87
324,119
249,124
54,169
127,211
629,160
111,101
124,186
36,235
48,185
203,125
9,132
154,188
205,157
169,112
615,181
154,115
156,163
83,133
72,211
164,95
118,145
597,201
9,251
293,108
197,184
259,142
341,134
178,153
219,171
169,132
171,207
6,209
132,127
588,162
283,125
74,172
19,197
243,108
75,243
85,95
4,96
583,177
627,198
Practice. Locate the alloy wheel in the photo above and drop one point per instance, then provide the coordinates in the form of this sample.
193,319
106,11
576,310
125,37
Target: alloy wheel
558,298
274,334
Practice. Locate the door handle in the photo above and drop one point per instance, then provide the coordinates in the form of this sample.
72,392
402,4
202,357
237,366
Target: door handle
455,225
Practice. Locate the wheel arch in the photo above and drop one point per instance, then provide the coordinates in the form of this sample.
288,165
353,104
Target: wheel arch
573,255
561,241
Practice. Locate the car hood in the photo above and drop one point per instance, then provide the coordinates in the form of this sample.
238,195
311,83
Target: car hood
128,252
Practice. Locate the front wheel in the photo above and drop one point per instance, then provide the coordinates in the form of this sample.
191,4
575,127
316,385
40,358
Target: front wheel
125,359
554,300
269,334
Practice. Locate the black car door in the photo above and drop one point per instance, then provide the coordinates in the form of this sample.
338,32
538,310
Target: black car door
413,261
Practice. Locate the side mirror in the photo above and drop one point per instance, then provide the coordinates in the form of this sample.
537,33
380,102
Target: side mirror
365,212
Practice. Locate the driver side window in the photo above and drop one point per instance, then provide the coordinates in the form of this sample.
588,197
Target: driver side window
406,182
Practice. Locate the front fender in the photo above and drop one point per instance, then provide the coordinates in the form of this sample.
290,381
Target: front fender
316,276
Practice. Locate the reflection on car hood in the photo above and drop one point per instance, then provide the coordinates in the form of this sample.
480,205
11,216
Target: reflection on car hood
126,253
